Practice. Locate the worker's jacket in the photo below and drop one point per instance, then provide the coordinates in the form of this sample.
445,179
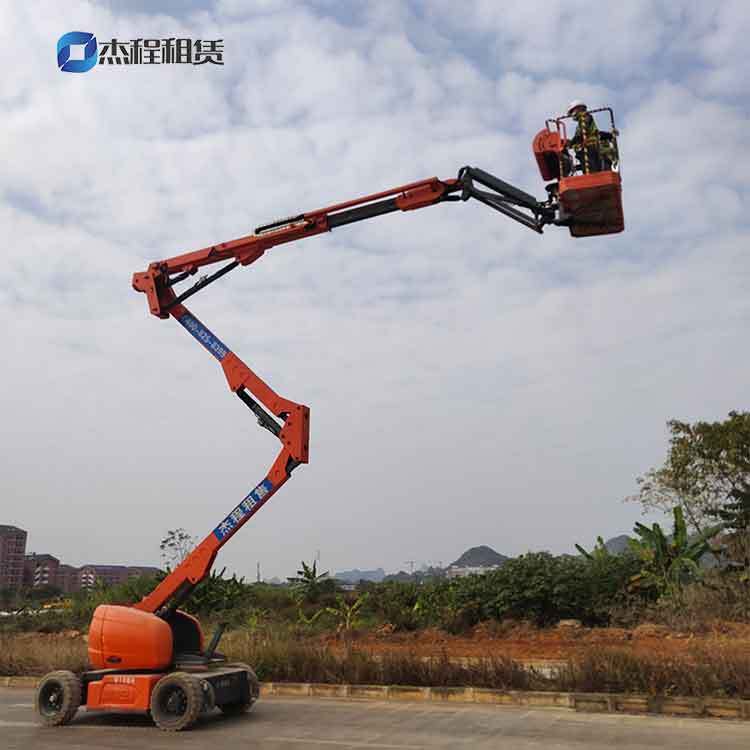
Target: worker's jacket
592,132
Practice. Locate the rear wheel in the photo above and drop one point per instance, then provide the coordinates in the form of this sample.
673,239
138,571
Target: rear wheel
245,703
58,698
176,701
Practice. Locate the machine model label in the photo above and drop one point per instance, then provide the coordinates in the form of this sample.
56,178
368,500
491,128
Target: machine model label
254,498
196,329
121,679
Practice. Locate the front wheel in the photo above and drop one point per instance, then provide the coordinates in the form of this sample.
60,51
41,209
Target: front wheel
58,697
176,701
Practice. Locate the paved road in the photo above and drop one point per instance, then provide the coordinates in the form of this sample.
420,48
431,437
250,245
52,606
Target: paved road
327,724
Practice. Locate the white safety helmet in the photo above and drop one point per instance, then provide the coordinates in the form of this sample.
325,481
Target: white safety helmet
575,104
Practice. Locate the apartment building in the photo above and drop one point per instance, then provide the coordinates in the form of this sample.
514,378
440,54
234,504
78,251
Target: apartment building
17,569
12,553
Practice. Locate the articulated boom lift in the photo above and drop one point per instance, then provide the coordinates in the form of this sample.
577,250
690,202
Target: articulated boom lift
152,656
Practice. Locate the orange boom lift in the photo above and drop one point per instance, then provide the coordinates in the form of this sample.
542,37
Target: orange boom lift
152,656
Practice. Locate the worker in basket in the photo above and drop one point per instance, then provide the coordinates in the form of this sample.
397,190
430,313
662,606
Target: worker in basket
595,150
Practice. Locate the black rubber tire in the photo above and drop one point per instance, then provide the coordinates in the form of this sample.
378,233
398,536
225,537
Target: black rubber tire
58,697
176,701
244,705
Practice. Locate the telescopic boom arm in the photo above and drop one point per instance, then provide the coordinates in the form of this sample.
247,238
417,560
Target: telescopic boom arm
287,420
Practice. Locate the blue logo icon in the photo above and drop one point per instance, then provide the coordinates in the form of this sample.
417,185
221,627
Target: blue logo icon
77,38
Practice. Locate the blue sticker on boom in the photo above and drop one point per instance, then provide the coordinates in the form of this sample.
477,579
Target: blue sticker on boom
196,329
240,513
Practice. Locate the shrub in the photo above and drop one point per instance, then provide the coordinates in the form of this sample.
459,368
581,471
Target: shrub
395,603
537,586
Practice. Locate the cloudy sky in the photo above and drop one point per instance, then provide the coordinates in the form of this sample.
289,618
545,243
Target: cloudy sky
470,381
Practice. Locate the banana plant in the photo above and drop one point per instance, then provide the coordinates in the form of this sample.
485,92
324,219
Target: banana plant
667,563
346,613
308,584
308,620
598,554
256,617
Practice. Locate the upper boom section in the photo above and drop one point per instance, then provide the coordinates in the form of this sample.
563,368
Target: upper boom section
157,281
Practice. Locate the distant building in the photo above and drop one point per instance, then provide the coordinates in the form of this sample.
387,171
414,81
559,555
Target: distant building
111,575
12,553
18,569
456,571
41,570
67,579
46,570
345,585
356,575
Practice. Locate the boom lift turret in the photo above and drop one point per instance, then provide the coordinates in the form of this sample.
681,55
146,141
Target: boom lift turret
152,656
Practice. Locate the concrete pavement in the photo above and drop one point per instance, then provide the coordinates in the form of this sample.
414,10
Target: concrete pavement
332,724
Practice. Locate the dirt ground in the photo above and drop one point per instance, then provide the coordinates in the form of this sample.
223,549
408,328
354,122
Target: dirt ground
526,643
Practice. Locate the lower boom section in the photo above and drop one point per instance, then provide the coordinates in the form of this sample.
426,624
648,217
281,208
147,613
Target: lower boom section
250,504
290,424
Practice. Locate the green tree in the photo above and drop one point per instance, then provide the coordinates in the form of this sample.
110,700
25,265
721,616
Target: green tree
668,563
705,464
734,514
309,585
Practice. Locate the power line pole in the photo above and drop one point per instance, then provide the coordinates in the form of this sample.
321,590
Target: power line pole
257,578
411,564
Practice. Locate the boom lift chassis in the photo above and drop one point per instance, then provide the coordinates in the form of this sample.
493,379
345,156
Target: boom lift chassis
152,656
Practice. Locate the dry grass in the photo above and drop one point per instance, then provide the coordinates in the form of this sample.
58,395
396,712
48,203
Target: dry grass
701,608
719,670
288,660
39,653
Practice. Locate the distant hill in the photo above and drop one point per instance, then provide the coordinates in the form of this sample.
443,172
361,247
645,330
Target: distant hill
479,556
617,544
356,575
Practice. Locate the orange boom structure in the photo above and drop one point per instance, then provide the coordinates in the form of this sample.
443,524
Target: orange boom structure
153,656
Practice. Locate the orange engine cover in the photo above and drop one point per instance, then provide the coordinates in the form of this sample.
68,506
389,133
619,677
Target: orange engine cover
547,146
127,638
